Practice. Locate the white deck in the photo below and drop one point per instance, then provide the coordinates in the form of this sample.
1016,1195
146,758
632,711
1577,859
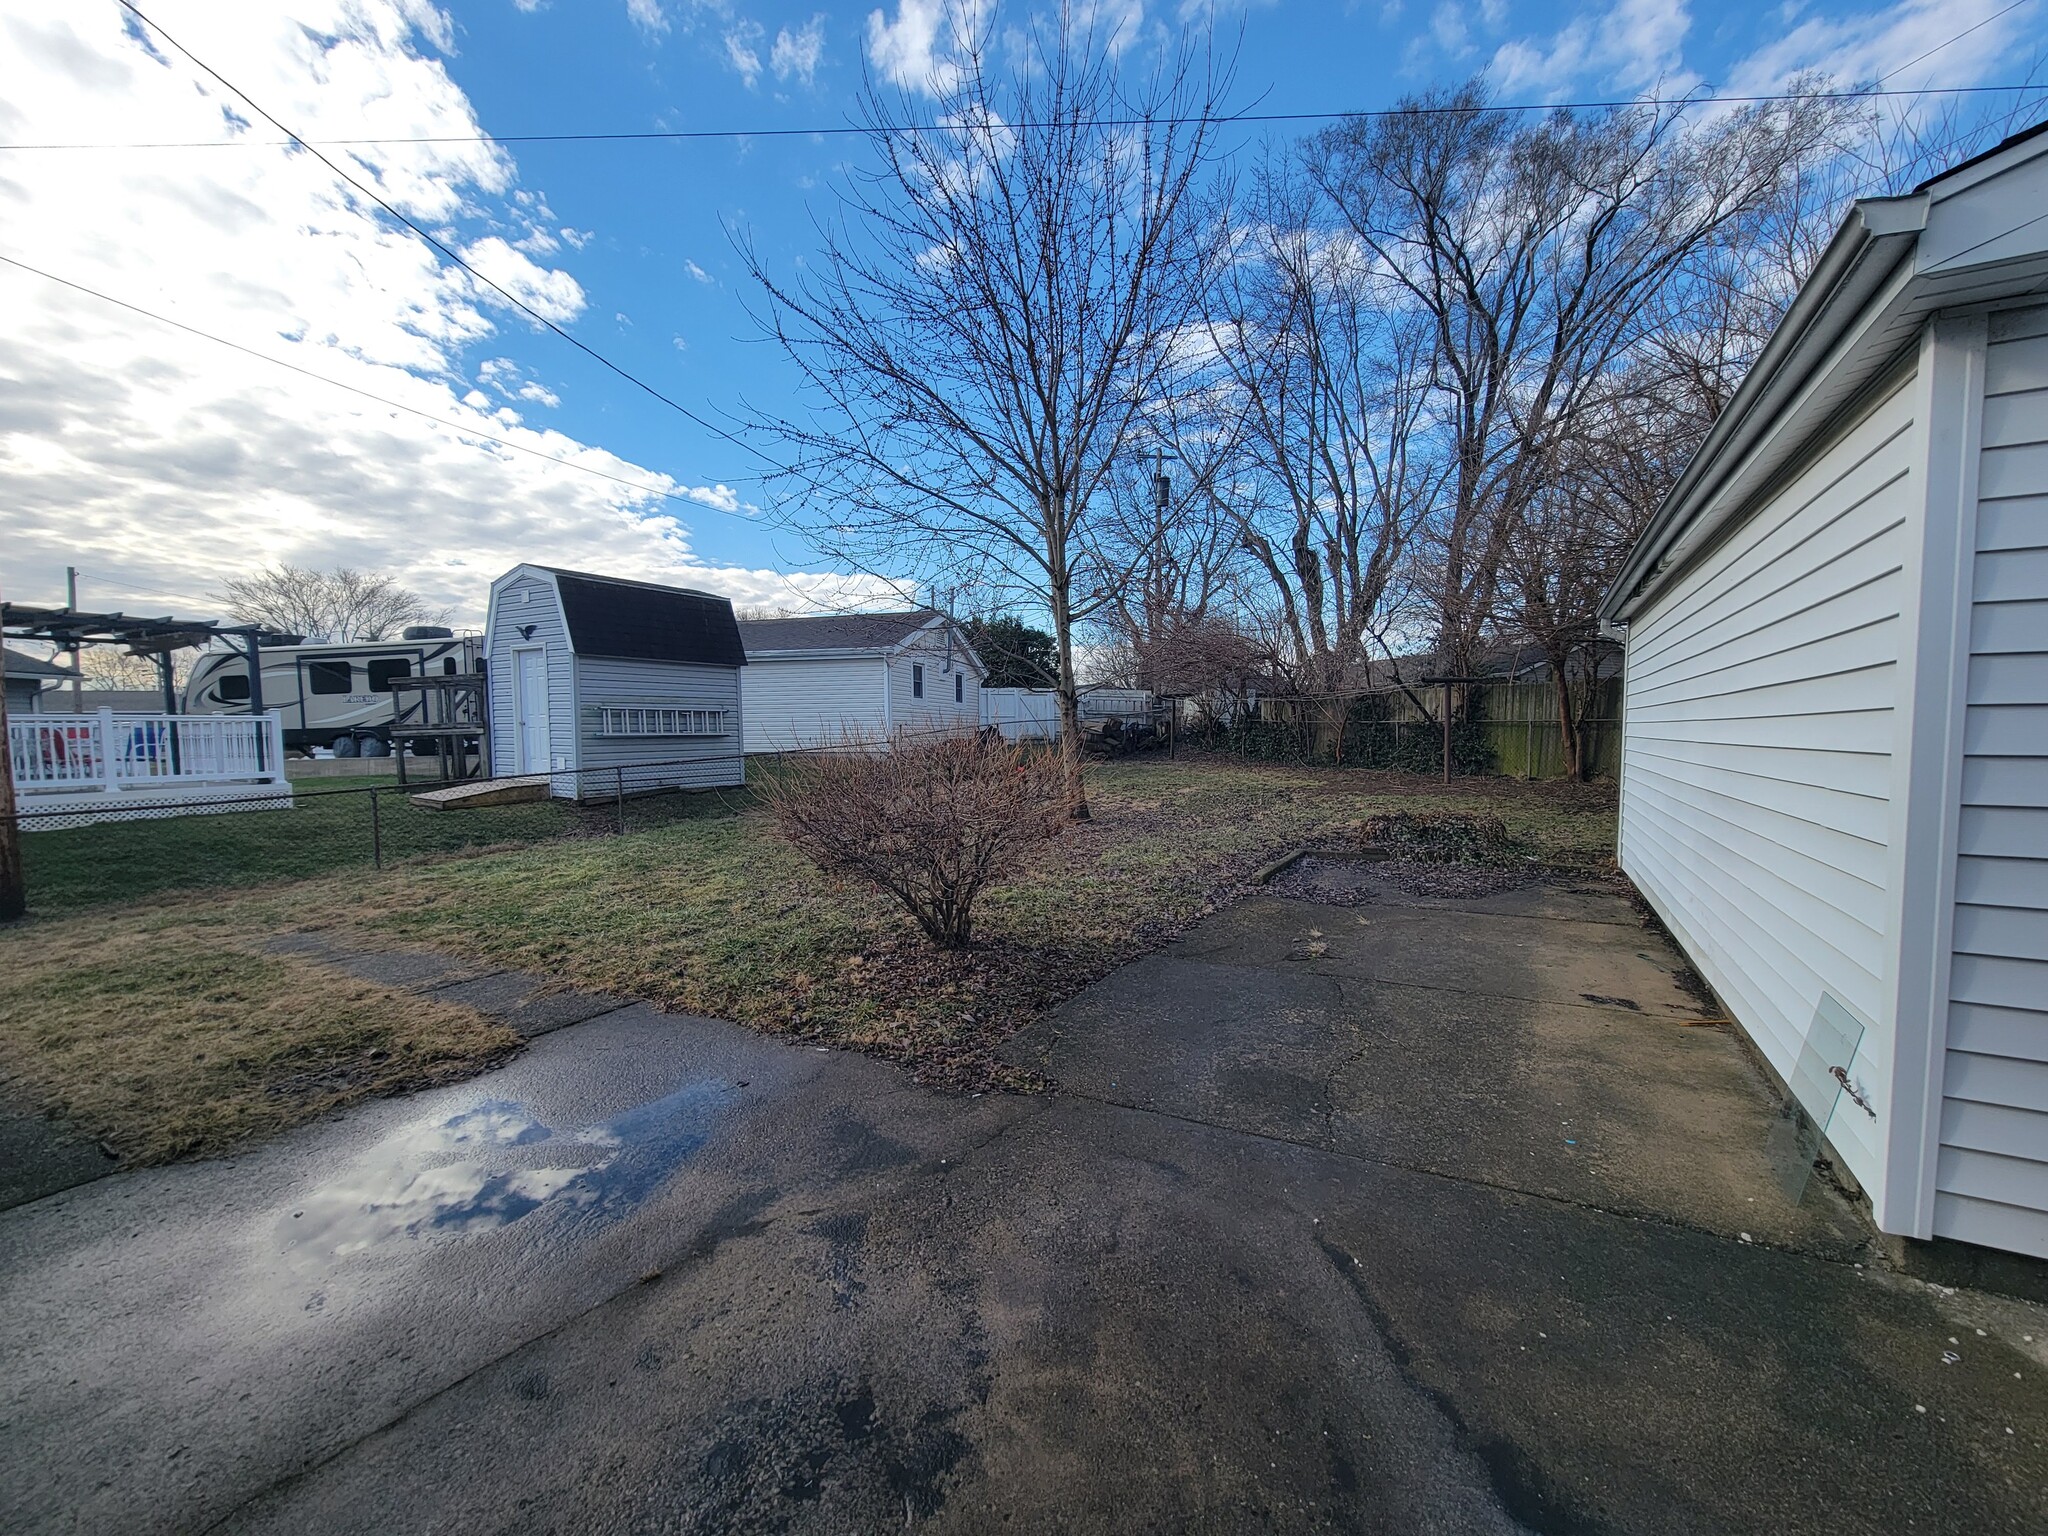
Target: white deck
75,770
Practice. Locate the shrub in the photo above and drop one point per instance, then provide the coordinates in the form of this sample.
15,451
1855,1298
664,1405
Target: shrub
930,822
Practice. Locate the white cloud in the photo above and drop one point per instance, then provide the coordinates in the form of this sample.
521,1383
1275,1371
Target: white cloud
1864,45
797,54
919,50
648,16
697,272
740,52
162,464
528,6
1633,45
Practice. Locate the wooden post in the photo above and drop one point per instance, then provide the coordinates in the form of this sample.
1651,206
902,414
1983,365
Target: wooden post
13,892
1447,733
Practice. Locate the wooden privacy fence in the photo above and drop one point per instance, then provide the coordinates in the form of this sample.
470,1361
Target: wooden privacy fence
1502,728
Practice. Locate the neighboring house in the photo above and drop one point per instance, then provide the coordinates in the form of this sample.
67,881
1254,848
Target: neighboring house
56,699
27,676
1835,763
607,684
819,681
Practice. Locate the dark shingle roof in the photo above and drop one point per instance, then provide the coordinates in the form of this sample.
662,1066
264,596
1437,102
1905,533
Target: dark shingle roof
834,631
641,621
21,664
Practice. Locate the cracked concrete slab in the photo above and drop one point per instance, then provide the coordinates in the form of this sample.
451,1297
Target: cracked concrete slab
1292,1250
527,1003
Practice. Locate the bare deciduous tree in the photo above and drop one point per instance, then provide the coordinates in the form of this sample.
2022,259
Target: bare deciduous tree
929,822
1534,254
1329,370
344,603
991,314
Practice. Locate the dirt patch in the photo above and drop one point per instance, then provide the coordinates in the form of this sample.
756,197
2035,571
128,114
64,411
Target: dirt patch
1354,882
1439,837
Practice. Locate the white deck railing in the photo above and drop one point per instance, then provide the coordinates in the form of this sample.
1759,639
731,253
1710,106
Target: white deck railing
124,754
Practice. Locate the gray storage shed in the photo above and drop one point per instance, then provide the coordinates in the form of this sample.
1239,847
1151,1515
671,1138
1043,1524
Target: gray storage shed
605,684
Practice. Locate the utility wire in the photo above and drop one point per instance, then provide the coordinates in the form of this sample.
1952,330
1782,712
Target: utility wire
396,405
843,130
511,298
1930,53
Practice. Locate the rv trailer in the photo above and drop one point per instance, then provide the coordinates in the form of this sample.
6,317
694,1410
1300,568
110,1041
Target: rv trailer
331,694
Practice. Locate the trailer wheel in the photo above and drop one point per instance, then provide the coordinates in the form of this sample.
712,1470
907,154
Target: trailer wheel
344,746
374,746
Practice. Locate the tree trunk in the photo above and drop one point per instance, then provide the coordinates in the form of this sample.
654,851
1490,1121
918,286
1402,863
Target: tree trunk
1567,721
1069,694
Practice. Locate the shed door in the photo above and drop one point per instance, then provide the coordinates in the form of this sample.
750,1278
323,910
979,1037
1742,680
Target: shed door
530,708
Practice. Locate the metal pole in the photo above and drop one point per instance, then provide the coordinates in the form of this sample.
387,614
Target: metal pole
376,832
75,648
1447,733
619,789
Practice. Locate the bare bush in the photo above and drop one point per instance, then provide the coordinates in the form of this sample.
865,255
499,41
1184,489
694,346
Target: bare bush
930,822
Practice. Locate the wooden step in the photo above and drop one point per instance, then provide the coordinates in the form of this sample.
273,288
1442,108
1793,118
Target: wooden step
474,797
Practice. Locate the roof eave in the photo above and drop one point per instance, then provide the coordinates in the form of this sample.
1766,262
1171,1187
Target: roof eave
1875,237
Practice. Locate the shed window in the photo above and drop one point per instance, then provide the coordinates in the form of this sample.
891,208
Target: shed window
328,676
636,720
917,680
381,673
232,687
959,687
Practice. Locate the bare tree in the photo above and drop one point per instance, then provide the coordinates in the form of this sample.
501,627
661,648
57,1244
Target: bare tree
929,822
990,315
343,603
1330,370
1534,254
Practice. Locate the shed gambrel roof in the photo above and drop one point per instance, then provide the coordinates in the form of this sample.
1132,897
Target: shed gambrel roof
865,632
643,621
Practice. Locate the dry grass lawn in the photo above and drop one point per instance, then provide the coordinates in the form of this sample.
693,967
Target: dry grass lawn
163,1038
174,1025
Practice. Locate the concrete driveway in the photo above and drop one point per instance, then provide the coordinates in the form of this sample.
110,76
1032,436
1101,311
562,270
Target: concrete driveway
1413,1216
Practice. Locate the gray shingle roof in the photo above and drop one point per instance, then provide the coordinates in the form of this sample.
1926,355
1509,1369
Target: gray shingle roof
21,664
644,621
834,631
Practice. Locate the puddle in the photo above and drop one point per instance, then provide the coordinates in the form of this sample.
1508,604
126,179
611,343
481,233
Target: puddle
496,1163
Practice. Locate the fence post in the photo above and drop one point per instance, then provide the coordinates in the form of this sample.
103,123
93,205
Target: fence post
376,832
107,774
619,790
1447,733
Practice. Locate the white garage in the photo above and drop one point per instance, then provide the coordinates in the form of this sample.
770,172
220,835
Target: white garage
829,678
1835,761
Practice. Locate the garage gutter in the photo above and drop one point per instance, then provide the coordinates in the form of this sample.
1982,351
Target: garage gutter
1878,235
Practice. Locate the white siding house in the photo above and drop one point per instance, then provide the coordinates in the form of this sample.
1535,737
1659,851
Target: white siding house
608,685
813,682
1835,759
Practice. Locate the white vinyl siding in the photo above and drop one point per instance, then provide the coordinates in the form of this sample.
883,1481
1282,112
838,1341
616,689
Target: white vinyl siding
1757,770
812,702
1991,1178
647,693
937,711
531,600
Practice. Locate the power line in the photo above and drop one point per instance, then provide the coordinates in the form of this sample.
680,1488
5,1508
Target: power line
1930,53
396,405
511,298
843,130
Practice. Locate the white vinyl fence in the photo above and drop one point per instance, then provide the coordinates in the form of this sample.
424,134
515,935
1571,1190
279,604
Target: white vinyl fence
1022,714
71,770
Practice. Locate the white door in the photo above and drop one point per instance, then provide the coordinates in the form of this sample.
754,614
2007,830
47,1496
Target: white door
530,709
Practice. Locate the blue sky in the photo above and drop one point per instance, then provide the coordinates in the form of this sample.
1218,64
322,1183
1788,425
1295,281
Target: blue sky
159,463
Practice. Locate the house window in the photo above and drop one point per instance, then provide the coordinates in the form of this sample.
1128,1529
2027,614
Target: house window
328,676
959,687
381,673
232,687
638,720
916,680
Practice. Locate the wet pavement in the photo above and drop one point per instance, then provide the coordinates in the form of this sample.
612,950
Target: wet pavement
1412,1215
